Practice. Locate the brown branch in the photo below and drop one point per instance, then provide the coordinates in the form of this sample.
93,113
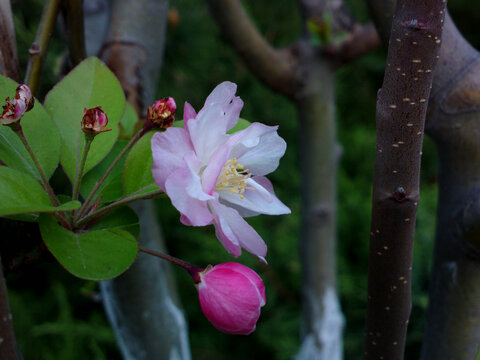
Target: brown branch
360,41
8,45
453,329
73,15
274,67
401,109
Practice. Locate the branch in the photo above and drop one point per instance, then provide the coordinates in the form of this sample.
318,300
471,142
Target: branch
360,41
276,68
73,15
401,109
39,47
8,44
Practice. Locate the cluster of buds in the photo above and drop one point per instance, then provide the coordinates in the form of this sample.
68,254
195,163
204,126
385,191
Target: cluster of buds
94,121
231,296
162,113
14,109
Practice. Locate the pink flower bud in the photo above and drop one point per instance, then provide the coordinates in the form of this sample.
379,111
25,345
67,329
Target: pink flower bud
162,113
231,296
94,121
14,109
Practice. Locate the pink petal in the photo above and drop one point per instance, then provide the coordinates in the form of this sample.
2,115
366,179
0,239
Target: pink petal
168,150
188,114
214,168
249,273
185,191
260,199
230,300
208,131
224,95
236,230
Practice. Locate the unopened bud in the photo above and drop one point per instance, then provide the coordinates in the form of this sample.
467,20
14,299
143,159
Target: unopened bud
14,109
94,121
162,113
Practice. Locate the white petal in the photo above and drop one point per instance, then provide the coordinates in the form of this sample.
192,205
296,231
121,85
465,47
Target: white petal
265,157
208,131
168,150
185,191
237,230
259,200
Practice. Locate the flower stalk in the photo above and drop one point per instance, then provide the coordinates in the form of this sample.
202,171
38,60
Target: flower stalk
81,165
147,127
191,269
60,216
106,209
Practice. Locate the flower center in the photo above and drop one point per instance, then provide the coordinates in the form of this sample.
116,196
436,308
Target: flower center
233,178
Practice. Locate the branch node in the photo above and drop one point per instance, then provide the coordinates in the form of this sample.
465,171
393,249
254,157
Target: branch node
400,195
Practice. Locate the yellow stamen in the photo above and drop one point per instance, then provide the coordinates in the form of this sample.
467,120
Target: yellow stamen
233,178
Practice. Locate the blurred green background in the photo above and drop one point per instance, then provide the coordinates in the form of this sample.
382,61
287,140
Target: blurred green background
60,317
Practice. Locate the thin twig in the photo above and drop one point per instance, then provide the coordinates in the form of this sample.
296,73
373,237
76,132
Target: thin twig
39,47
130,144
123,201
8,44
74,26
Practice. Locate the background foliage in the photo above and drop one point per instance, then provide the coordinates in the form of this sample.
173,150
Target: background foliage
60,317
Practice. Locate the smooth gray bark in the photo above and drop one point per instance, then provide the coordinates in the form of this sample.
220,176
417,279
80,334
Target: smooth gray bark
141,304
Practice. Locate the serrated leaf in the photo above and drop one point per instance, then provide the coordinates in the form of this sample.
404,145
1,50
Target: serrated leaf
94,255
40,131
88,85
20,193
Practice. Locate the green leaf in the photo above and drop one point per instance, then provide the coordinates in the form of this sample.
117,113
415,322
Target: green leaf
20,193
94,255
124,218
137,171
128,122
88,85
111,188
242,124
40,131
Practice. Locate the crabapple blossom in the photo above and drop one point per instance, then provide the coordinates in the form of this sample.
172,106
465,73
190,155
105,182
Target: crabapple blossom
162,113
217,178
14,109
94,121
231,296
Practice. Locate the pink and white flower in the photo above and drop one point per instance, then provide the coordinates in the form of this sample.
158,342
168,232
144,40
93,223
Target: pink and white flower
14,109
217,178
94,121
231,296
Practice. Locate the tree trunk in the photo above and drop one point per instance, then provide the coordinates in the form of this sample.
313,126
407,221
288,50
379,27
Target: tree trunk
319,153
453,323
142,304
